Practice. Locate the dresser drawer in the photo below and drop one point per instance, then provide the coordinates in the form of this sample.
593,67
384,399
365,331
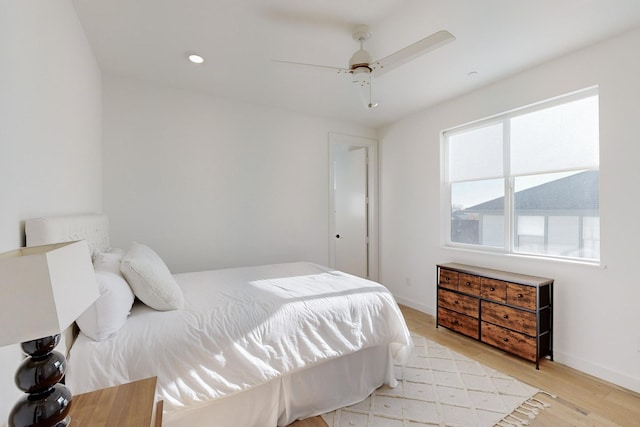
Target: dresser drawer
522,296
508,317
466,325
448,279
459,303
469,284
510,341
492,289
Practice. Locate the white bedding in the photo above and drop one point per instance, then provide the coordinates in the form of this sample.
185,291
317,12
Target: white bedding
241,328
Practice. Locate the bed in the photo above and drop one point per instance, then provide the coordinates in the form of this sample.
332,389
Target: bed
289,341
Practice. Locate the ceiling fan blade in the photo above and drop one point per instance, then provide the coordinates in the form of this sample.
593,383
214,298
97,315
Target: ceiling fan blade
327,67
412,51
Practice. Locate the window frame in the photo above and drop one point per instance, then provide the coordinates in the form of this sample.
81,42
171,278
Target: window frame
510,222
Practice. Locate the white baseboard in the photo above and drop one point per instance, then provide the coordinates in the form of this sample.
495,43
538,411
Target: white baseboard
598,371
417,306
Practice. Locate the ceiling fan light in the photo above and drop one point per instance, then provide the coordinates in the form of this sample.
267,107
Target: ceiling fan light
361,81
361,76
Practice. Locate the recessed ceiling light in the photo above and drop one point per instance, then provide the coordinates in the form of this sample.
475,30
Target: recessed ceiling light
196,59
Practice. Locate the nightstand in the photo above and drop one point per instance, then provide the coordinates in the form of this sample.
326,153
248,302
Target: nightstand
127,405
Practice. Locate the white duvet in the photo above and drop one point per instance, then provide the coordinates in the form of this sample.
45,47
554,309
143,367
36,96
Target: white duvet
241,328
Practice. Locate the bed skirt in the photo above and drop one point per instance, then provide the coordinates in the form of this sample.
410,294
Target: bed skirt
323,388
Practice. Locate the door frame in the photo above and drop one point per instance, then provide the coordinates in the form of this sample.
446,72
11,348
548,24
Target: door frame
338,139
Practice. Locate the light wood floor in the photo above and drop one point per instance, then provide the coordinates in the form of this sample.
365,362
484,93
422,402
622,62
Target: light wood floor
582,400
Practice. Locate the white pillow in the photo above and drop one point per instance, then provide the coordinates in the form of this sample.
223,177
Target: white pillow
150,278
109,312
110,258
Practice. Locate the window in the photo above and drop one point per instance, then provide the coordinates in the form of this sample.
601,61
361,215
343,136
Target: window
527,181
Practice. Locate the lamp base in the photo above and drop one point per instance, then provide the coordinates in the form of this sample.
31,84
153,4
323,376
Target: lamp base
48,409
46,403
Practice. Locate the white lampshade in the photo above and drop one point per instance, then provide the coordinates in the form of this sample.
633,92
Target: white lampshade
43,290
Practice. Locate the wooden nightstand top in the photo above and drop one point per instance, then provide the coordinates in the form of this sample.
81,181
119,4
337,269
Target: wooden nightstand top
126,405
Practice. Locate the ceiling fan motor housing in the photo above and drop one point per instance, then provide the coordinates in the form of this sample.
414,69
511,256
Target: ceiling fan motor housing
360,59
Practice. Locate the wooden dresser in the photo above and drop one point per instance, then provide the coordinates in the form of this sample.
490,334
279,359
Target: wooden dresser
513,312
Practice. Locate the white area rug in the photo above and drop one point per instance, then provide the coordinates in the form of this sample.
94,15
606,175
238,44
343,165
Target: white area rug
439,387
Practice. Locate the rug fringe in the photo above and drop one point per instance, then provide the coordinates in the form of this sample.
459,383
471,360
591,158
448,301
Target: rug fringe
530,408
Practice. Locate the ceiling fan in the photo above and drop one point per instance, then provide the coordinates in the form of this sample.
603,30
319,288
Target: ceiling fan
362,67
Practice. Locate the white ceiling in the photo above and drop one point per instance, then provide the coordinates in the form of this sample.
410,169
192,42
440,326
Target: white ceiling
150,39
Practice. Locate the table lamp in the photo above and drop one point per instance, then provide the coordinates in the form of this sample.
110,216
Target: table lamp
43,290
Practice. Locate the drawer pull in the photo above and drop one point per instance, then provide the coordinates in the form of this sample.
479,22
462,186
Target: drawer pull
506,316
456,302
505,339
446,279
455,322
468,283
492,289
520,295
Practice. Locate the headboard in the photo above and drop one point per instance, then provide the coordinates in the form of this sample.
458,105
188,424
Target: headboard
94,228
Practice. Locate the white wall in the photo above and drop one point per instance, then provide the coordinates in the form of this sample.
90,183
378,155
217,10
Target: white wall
211,183
597,315
50,130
